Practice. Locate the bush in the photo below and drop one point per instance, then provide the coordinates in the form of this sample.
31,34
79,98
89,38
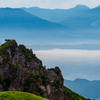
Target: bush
57,84
26,53
38,89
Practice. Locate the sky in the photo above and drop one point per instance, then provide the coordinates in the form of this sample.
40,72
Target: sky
51,4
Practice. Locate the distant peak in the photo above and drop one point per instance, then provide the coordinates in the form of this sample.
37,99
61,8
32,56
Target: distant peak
81,6
79,79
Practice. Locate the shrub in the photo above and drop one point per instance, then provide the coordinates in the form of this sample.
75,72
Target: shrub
57,84
38,89
26,53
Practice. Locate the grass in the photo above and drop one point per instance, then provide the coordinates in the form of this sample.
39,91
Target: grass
16,95
73,96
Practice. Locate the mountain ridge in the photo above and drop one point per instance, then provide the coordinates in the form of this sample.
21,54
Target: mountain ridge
54,15
83,16
21,70
22,19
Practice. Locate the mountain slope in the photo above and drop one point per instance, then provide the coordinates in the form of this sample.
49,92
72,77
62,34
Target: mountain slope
21,25
73,96
21,70
83,19
18,18
90,89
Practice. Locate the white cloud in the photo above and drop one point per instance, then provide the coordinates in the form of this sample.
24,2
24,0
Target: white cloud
73,63
56,53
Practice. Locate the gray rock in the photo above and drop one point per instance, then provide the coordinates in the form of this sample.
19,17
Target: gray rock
26,73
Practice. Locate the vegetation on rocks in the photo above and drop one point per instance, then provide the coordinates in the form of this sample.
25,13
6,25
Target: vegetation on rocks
3,46
57,84
73,96
26,53
2,49
5,83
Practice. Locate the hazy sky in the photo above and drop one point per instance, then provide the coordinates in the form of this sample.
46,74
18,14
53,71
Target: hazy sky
64,4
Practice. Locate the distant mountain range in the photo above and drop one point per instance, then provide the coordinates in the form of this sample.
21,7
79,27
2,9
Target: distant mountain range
86,88
80,16
55,15
16,23
18,18
50,26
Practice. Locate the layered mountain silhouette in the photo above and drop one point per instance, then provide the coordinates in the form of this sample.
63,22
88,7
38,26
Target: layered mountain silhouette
80,16
90,89
16,23
55,15
55,26
18,18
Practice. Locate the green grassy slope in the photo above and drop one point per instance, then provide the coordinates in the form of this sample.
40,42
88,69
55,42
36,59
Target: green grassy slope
73,96
16,95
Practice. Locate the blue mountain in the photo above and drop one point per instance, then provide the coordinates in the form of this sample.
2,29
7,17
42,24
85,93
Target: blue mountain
90,89
47,14
80,7
79,17
55,15
83,19
18,24
18,18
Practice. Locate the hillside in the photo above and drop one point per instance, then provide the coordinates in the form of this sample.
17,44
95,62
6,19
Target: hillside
16,95
21,70
73,96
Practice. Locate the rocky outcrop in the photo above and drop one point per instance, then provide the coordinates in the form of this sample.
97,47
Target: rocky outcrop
21,70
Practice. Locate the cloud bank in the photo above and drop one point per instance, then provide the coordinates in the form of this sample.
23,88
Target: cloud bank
73,63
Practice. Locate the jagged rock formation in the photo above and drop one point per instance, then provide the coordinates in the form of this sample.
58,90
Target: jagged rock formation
21,70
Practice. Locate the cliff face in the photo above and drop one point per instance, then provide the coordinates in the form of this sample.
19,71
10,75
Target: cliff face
21,70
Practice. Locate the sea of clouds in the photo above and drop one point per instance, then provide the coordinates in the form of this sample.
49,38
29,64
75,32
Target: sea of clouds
73,63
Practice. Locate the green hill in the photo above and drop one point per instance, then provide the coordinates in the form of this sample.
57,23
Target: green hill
16,95
73,96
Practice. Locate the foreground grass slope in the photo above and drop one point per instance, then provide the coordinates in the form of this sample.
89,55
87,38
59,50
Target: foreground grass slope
16,95
73,96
